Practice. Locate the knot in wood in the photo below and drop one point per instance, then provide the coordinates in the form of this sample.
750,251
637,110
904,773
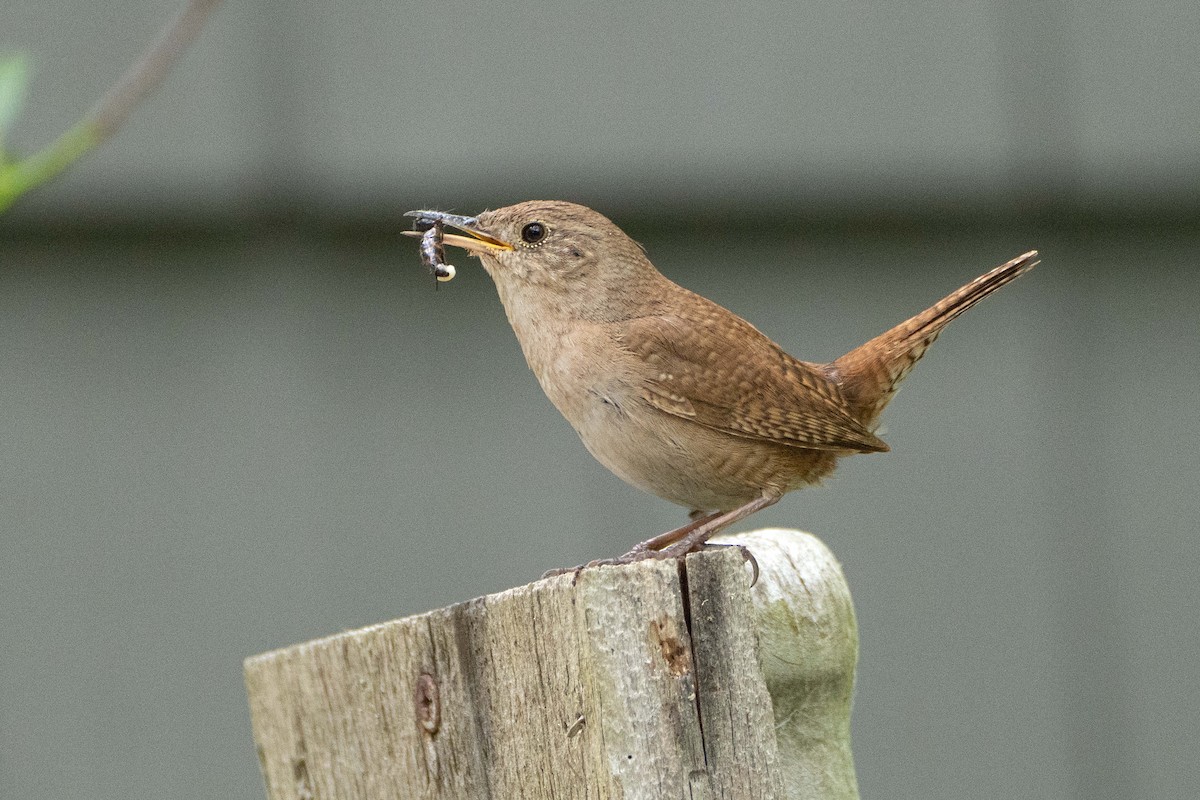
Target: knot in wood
427,703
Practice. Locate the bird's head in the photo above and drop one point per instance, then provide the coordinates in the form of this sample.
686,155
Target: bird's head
554,256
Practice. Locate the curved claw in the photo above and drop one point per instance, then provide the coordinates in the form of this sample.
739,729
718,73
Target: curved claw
747,556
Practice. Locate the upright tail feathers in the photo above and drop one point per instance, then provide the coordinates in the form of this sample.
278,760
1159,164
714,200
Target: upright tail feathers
869,374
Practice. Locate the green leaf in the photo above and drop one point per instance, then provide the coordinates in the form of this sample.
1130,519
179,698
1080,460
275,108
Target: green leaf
14,75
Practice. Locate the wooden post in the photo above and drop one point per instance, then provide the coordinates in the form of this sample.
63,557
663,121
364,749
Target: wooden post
645,681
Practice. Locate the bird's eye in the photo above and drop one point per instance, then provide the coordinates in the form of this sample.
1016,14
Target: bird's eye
533,233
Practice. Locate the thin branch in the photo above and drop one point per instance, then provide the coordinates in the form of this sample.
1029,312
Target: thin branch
148,72
112,109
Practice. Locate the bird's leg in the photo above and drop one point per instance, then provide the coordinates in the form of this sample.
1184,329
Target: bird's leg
683,540
646,549
712,525
695,535
747,556
670,537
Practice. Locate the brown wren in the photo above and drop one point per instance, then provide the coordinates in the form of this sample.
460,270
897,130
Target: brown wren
673,393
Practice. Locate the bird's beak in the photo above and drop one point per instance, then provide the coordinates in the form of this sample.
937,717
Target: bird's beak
479,241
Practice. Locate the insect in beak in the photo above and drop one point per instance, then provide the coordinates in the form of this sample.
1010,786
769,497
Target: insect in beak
429,225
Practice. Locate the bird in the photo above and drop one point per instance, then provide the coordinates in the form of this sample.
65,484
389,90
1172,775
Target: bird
673,393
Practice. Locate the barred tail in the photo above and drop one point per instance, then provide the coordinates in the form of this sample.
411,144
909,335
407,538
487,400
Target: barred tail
869,374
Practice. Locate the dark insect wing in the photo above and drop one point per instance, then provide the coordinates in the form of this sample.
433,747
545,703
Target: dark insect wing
433,251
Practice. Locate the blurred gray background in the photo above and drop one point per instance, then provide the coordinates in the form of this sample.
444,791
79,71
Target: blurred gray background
235,415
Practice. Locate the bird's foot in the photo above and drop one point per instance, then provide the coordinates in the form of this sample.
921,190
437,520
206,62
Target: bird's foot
641,553
689,538
631,557
747,556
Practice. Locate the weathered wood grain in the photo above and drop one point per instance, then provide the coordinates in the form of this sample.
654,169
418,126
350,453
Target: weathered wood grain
808,651
633,682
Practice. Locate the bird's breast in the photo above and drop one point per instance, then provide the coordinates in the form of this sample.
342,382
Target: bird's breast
598,386
581,369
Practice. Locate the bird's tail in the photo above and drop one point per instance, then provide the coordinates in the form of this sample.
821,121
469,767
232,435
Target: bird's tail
869,374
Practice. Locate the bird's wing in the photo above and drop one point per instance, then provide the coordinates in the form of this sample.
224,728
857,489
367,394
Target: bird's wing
718,370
